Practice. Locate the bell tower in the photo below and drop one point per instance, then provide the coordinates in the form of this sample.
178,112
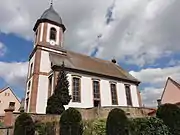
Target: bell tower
49,31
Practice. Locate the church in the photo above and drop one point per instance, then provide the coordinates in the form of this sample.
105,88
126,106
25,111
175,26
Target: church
93,82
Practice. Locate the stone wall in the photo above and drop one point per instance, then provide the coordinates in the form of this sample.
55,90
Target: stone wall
94,113
87,114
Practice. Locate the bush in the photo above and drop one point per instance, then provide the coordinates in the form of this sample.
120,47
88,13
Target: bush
71,122
148,126
95,127
46,128
24,125
170,114
117,123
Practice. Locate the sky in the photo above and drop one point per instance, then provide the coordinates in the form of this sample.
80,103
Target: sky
142,35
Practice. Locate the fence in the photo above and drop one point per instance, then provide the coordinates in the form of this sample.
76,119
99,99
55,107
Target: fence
6,130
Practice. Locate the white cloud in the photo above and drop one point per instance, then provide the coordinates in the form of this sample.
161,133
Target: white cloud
142,30
150,96
2,49
14,73
157,76
155,79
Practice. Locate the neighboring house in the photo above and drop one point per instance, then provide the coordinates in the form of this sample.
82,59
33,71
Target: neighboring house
93,82
8,100
171,93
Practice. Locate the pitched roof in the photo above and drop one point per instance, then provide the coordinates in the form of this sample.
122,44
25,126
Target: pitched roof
174,82
85,63
6,88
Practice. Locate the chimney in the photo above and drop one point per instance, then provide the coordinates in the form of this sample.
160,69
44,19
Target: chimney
159,102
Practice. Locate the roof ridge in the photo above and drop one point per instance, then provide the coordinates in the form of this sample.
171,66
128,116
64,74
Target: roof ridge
174,82
90,57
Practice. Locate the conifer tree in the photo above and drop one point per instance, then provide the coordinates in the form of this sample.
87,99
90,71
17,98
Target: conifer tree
60,97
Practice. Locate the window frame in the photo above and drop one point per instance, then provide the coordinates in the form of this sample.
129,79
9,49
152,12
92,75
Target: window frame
76,94
114,95
96,93
128,95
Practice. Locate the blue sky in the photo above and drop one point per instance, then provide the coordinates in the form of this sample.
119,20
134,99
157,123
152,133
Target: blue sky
142,35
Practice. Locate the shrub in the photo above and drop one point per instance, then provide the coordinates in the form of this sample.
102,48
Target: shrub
117,123
24,125
95,127
46,128
170,114
71,122
148,126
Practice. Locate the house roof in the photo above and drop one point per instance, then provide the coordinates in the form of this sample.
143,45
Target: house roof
174,82
6,88
85,63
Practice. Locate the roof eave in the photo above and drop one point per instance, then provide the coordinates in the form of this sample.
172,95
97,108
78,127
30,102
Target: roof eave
49,21
56,67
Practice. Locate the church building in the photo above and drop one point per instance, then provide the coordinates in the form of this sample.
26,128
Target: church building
93,82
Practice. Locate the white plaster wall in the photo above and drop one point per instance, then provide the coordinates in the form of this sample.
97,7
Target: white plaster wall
134,96
45,65
5,100
30,79
121,93
58,32
41,32
105,93
86,93
42,94
29,94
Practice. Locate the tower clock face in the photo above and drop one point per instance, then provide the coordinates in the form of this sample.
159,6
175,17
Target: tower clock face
52,42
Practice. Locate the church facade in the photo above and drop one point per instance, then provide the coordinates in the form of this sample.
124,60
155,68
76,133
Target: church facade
93,82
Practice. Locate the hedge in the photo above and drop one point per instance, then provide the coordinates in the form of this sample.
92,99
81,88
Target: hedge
148,126
170,114
95,127
117,123
24,125
71,122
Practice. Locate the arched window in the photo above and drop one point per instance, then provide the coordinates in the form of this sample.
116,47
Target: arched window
53,33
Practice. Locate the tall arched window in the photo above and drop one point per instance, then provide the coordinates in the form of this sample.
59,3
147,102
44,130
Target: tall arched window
53,33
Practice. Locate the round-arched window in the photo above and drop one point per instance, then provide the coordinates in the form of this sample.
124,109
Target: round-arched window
53,33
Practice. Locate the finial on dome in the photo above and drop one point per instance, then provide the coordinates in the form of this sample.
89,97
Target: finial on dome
51,3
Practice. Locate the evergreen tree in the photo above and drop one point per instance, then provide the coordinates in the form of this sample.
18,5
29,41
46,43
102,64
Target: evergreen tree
24,125
60,97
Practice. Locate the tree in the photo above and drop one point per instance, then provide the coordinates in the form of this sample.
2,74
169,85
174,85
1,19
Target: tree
24,125
170,114
71,122
117,123
60,97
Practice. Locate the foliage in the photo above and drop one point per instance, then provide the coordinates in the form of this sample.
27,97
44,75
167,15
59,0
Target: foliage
117,123
24,125
46,128
60,97
148,126
95,127
1,124
170,114
71,122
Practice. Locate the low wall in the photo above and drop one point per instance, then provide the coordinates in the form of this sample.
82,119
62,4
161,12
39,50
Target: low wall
87,114
94,113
